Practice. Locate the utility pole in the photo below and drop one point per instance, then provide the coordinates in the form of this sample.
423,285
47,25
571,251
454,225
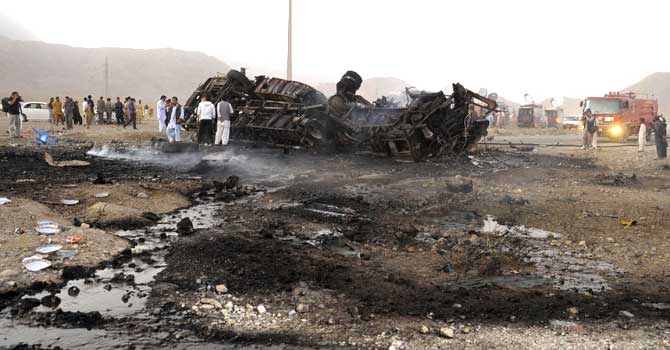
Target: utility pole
289,60
106,78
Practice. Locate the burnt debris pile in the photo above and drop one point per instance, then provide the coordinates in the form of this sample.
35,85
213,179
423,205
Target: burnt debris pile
288,114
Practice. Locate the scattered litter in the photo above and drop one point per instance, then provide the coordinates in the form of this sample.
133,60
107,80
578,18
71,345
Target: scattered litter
70,186
47,228
35,263
65,254
44,137
21,181
628,223
65,163
493,227
102,195
5,200
70,201
626,314
19,231
657,306
142,195
509,200
73,239
619,179
48,249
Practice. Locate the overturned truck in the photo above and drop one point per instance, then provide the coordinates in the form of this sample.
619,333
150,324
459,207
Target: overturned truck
292,114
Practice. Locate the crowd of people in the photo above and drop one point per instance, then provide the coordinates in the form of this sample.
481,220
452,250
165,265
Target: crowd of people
68,113
658,125
171,118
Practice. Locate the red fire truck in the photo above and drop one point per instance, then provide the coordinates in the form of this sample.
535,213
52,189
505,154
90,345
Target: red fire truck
619,114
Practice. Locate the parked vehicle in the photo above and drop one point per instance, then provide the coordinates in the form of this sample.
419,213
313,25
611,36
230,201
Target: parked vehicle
619,114
571,122
530,116
35,110
553,117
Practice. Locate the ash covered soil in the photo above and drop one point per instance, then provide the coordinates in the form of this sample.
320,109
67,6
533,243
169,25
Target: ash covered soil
502,249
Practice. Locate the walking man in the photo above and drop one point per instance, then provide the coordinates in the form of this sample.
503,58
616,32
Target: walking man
108,111
69,112
160,109
224,110
14,112
175,121
132,114
642,135
118,110
101,110
205,113
659,126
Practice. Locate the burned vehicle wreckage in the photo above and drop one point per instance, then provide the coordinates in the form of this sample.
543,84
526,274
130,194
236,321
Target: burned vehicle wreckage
292,114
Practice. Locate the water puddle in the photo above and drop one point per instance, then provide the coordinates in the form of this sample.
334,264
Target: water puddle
567,270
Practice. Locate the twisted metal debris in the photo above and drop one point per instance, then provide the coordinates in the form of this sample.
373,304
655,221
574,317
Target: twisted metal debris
286,113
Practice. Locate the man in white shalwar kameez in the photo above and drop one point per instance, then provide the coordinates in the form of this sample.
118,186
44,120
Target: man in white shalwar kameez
176,118
224,110
160,113
642,135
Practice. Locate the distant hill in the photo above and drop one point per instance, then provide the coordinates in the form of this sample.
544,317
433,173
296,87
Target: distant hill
14,30
39,70
657,84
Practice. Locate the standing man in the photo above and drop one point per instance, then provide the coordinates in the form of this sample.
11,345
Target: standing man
224,110
140,111
590,128
205,113
642,135
58,111
132,114
108,111
175,121
101,110
88,112
14,112
118,110
659,126
160,113
50,106
69,112
78,120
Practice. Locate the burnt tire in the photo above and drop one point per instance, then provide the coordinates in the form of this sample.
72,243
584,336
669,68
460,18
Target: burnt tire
240,79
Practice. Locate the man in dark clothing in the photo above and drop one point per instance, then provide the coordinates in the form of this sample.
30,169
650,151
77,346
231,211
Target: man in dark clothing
659,125
118,111
132,114
14,113
77,114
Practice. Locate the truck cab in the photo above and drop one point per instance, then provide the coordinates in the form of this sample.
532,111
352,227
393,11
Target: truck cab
618,114
530,116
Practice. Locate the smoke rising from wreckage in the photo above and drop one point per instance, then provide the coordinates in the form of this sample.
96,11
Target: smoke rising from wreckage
286,113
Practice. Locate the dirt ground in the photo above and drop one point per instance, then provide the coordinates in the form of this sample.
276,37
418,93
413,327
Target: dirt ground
362,251
37,189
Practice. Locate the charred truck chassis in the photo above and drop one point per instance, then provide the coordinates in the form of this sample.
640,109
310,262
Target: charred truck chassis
286,113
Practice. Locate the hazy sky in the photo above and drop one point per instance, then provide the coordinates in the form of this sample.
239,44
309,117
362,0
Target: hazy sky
546,48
